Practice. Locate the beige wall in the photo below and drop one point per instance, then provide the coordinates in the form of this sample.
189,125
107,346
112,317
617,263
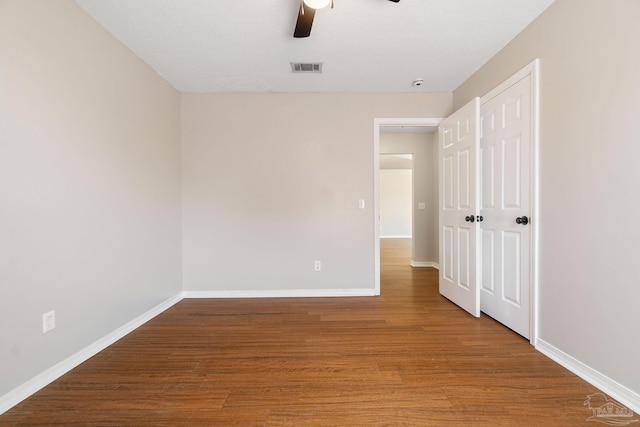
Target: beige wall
589,175
271,182
89,185
396,202
424,148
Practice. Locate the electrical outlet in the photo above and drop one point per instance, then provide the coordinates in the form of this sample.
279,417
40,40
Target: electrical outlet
48,321
317,266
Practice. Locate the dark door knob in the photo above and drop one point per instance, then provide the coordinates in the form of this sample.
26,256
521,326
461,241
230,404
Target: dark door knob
522,220
479,218
470,218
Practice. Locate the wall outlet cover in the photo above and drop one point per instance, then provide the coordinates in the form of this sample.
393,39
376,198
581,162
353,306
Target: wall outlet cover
48,321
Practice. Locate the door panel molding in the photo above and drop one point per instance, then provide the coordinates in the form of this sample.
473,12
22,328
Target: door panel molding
513,111
458,207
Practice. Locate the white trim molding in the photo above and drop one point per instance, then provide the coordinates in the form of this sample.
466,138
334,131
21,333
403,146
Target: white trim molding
282,293
614,389
428,264
35,384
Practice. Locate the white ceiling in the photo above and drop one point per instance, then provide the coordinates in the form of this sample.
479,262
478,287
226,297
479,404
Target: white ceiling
204,46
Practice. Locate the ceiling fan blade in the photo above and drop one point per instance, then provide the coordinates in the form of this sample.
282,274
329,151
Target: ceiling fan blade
304,22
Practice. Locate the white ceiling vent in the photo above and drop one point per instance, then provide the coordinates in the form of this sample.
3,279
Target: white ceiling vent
306,67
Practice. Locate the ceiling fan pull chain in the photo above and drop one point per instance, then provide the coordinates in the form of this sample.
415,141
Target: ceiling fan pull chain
331,4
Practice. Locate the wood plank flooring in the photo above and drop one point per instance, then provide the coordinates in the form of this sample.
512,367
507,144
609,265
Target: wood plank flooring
406,358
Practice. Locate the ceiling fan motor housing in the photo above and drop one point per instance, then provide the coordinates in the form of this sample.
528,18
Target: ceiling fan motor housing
306,13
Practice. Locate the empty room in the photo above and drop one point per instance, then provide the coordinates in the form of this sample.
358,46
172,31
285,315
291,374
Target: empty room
190,229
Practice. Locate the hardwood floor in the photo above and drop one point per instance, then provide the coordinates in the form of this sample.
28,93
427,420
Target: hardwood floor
406,358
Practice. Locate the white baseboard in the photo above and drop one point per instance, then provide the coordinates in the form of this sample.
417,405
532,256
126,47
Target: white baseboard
622,394
425,264
25,390
283,293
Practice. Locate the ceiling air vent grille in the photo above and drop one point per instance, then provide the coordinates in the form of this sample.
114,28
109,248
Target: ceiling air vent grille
306,67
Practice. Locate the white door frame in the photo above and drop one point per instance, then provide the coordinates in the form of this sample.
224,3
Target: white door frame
377,124
532,69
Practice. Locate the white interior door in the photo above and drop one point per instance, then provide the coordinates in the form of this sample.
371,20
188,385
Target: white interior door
505,232
459,141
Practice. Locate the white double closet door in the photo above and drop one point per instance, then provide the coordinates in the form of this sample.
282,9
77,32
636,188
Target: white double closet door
486,205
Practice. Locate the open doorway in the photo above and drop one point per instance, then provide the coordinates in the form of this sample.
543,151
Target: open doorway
396,209
396,196
417,137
